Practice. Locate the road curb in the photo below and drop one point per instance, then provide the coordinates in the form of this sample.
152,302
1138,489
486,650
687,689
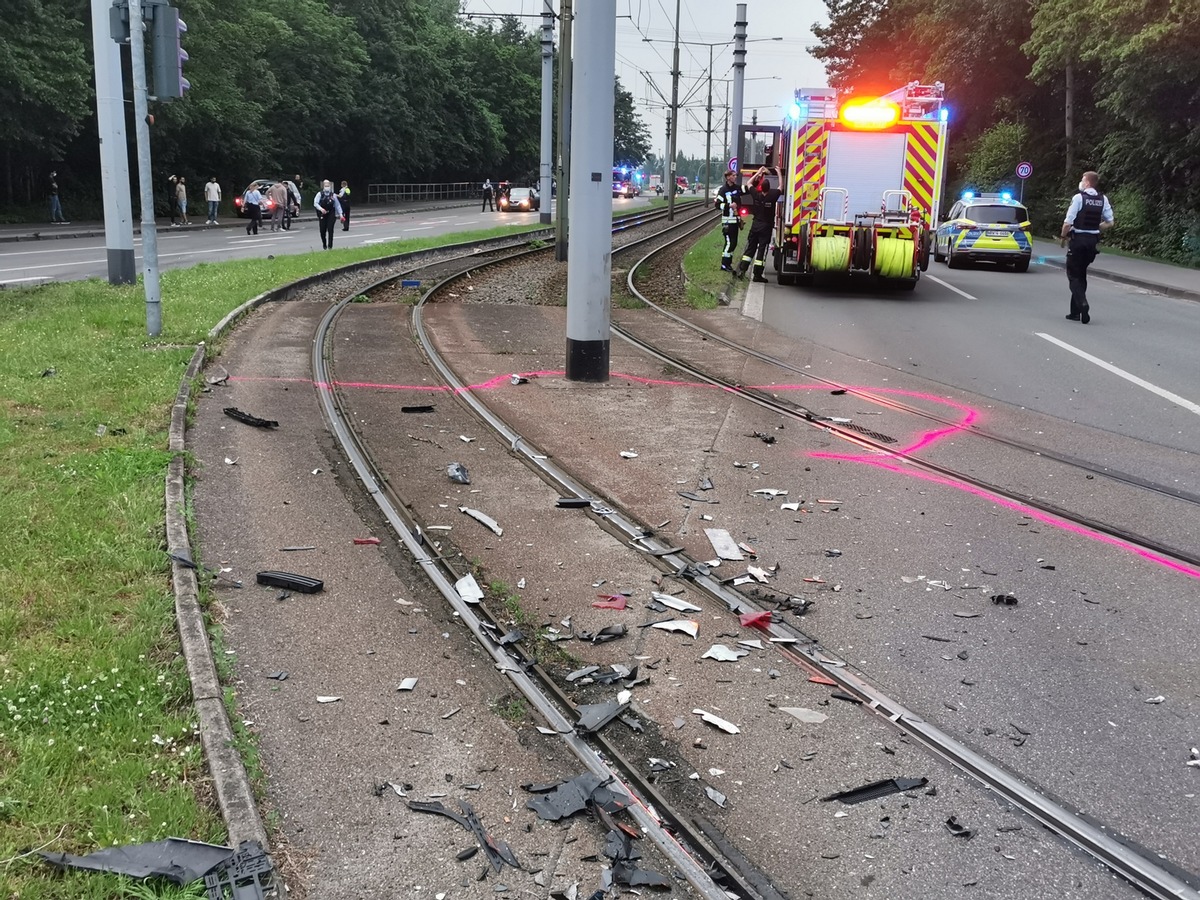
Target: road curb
1108,275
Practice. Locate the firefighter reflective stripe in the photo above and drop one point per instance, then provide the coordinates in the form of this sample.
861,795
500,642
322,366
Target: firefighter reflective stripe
812,145
920,165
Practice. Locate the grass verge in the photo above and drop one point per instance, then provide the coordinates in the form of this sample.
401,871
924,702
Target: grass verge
98,741
705,280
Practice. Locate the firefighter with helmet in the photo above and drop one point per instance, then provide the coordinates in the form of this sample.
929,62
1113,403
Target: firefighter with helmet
763,200
729,202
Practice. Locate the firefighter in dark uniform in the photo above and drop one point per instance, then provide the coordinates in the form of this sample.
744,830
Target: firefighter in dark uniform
763,199
1088,215
729,201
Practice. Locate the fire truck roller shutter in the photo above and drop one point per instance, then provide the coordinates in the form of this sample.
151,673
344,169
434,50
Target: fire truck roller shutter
866,164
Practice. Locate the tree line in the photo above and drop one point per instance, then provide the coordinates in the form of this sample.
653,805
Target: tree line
365,90
1068,85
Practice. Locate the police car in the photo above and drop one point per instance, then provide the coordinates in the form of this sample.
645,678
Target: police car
991,227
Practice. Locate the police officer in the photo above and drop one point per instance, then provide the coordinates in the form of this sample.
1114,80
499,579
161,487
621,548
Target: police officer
488,192
1088,215
763,198
329,210
729,201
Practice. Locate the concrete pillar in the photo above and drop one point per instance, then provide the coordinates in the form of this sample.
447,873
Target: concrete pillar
114,156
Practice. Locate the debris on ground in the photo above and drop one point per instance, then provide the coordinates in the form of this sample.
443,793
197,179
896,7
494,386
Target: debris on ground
763,436
483,519
607,633
1004,599
573,502
247,875
234,413
468,589
717,722
876,790
278,676
706,484
563,799
721,653
957,829
498,852
594,716
425,408
724,544
407,684
628,454
715,796
175,859
696,498
770,492
674,602
458,473
329,699
755,619
518,379
290,581
582,673
367,541
685,626
610,601
808,716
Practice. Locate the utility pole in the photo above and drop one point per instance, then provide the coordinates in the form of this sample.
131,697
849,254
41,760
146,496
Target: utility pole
137,50
114,157
673,122
708,132
739,78
589,273
547,147
565,89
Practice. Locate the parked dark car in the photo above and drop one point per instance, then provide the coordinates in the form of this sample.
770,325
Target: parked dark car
267,206
520,199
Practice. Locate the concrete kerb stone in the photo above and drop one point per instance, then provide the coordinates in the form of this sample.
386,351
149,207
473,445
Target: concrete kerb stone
1144,284
235,796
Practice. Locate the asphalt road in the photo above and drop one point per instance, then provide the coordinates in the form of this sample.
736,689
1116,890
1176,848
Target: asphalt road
77,258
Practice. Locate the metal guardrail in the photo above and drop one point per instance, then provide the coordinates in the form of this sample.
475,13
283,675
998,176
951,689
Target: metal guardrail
403,193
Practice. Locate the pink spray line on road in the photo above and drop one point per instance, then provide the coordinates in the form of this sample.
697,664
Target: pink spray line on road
884,459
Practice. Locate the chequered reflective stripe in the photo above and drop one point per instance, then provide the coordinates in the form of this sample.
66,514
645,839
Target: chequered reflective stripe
810,172
920,164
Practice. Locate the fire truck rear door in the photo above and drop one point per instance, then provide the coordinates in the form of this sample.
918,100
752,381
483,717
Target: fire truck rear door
866,164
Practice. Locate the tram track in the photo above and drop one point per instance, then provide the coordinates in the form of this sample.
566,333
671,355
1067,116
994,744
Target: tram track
1139,868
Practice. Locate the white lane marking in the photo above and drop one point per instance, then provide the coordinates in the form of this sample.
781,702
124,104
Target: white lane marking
83,262
1128,376
418,228
947,284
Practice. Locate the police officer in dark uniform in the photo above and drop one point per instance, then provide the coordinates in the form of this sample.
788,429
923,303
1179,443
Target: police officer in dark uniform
763,199
729,201
1088,215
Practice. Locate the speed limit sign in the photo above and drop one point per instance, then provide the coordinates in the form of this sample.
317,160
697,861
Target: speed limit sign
1024,170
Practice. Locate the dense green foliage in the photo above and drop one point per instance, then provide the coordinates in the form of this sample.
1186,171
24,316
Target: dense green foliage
1130,68
365,90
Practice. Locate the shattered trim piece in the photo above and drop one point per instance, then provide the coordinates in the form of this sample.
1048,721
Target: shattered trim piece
876,790
483,519
717,721
175,859
685,626
290,581
674,602
724,544
468,589
234,413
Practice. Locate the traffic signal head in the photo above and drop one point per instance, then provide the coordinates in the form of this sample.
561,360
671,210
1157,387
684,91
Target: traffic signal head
167,54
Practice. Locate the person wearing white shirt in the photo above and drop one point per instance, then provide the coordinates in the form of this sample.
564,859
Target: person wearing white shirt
329,211
1089,214
212,193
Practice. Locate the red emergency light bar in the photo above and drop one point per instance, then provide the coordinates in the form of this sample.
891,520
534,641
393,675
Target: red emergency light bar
867,115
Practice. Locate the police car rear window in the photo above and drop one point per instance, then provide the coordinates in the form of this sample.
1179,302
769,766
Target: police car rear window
997,215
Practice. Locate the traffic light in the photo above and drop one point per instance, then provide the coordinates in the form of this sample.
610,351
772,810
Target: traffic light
167,55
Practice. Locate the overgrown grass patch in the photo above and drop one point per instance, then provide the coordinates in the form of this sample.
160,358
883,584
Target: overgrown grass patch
705,280
98,742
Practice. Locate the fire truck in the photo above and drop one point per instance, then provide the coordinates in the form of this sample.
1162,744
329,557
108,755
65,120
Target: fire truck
861,180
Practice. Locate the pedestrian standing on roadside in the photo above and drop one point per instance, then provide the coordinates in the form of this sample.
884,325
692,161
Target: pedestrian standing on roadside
329,210
172,202
56,213
277,194
488,195
212,193
1089,214
181,199
729,201
252,204
344,199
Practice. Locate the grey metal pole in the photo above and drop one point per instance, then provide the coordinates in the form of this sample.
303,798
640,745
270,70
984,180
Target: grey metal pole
673,133
739,78
589,273
547,148
708,133
565,84
137,50
114,157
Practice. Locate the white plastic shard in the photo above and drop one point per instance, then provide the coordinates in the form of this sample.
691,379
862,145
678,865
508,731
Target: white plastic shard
686,626
721,653
674,602
468,589
629,454
328,699
811,716
717,722
794,507
760,575
482,518
770,492
723,543
755,644
407,684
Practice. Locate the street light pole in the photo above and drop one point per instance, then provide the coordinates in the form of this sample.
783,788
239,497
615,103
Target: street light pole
674,133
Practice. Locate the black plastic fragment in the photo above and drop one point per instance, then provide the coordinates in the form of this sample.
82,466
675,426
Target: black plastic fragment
957,829
464,855
183,557
234,413
498,852
706,484
175,859
247,875
876,789
849,698
428,408
573,502
594,716
694,497
607,633
290,581
1004,599
567,798
838,392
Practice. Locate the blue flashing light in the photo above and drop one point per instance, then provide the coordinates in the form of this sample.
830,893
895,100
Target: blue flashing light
944,114
624,170
968,195
1007,195
795,111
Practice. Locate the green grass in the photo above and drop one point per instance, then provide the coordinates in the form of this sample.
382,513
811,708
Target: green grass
98,741
702,264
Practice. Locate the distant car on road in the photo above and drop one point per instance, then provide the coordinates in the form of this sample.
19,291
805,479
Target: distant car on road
267,208
520,199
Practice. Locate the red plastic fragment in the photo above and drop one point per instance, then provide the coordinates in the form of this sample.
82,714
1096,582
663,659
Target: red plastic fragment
822,679
370,540
609,601
756,620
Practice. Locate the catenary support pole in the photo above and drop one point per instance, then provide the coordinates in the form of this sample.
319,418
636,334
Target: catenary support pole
673,123
708,133
114,157
566,16
589,273
547,148
141,112
739,79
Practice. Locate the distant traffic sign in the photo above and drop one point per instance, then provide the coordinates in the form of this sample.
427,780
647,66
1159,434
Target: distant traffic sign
1024,170
733,164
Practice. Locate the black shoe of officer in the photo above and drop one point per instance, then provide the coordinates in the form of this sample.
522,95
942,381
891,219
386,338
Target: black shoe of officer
759,279
1074,317
1084,316
725,268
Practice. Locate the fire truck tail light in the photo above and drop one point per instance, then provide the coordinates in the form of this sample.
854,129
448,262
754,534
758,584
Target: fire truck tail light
870,114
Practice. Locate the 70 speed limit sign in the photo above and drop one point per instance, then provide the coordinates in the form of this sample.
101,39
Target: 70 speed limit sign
1024,170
